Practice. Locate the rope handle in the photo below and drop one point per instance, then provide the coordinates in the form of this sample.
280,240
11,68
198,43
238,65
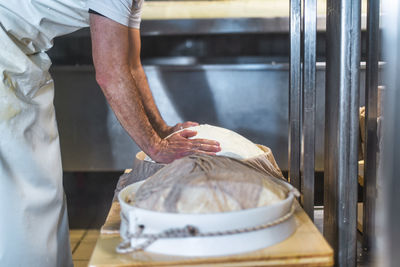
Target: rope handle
189,231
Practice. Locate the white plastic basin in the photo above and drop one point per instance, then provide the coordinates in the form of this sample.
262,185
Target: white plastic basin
156,222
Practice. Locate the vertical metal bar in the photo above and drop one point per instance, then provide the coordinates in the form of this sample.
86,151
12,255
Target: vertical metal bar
294,93
341,127
388,215
371,114
309,94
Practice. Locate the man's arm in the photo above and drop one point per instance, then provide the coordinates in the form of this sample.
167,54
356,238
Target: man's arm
152,112
113,50
147,98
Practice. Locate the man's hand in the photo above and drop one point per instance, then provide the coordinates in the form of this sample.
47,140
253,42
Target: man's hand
116,56
179,145
178,127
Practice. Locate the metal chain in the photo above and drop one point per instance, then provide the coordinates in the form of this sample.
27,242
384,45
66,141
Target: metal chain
190,231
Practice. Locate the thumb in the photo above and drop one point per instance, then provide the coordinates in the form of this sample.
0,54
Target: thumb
187,133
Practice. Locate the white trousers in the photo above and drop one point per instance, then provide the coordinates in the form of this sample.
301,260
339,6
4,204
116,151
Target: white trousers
33,213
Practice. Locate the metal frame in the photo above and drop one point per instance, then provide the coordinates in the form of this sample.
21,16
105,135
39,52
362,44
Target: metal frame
388,215
341,118
302,101
371,116
295,93
309,106
342,128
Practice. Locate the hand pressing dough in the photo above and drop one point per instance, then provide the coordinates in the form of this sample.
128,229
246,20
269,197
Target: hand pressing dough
232,144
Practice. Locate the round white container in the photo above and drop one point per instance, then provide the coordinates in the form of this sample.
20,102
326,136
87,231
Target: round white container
156,222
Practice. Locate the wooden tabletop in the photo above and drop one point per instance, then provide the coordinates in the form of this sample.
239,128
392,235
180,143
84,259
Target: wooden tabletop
306,247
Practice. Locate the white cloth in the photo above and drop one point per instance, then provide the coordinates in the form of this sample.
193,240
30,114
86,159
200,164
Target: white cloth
125,12
33,214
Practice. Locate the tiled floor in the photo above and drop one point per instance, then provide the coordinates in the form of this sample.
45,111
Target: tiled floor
82,245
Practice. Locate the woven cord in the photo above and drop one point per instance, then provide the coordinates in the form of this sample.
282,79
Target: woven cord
190,231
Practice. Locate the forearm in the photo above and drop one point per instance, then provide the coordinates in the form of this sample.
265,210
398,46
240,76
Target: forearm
110,57
114,48
149,105
125,100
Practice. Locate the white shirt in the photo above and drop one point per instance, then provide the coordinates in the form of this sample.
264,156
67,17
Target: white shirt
125,12
35,23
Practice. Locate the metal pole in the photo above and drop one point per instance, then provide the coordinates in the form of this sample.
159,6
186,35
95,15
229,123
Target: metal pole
341,127
371,114
294,93
388,215
309,94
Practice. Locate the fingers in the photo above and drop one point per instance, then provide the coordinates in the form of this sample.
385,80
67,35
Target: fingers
183,135
205,145
195,145
173,148
183,125
187,133
201,144
209,145
206,142
178,146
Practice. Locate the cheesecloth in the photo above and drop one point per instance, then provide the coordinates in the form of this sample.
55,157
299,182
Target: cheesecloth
208,184
258,156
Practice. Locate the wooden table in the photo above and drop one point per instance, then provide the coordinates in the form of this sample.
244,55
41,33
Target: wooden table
306,247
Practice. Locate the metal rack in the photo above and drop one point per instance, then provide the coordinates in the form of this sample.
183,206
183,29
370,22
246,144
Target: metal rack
371,116
388,235
302,101
343,50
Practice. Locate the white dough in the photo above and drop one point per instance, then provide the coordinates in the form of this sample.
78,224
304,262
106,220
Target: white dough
232,144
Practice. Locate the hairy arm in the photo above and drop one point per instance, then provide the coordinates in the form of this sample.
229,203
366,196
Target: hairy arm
150,108
121,77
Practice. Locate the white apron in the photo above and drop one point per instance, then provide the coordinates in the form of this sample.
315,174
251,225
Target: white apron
33,213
